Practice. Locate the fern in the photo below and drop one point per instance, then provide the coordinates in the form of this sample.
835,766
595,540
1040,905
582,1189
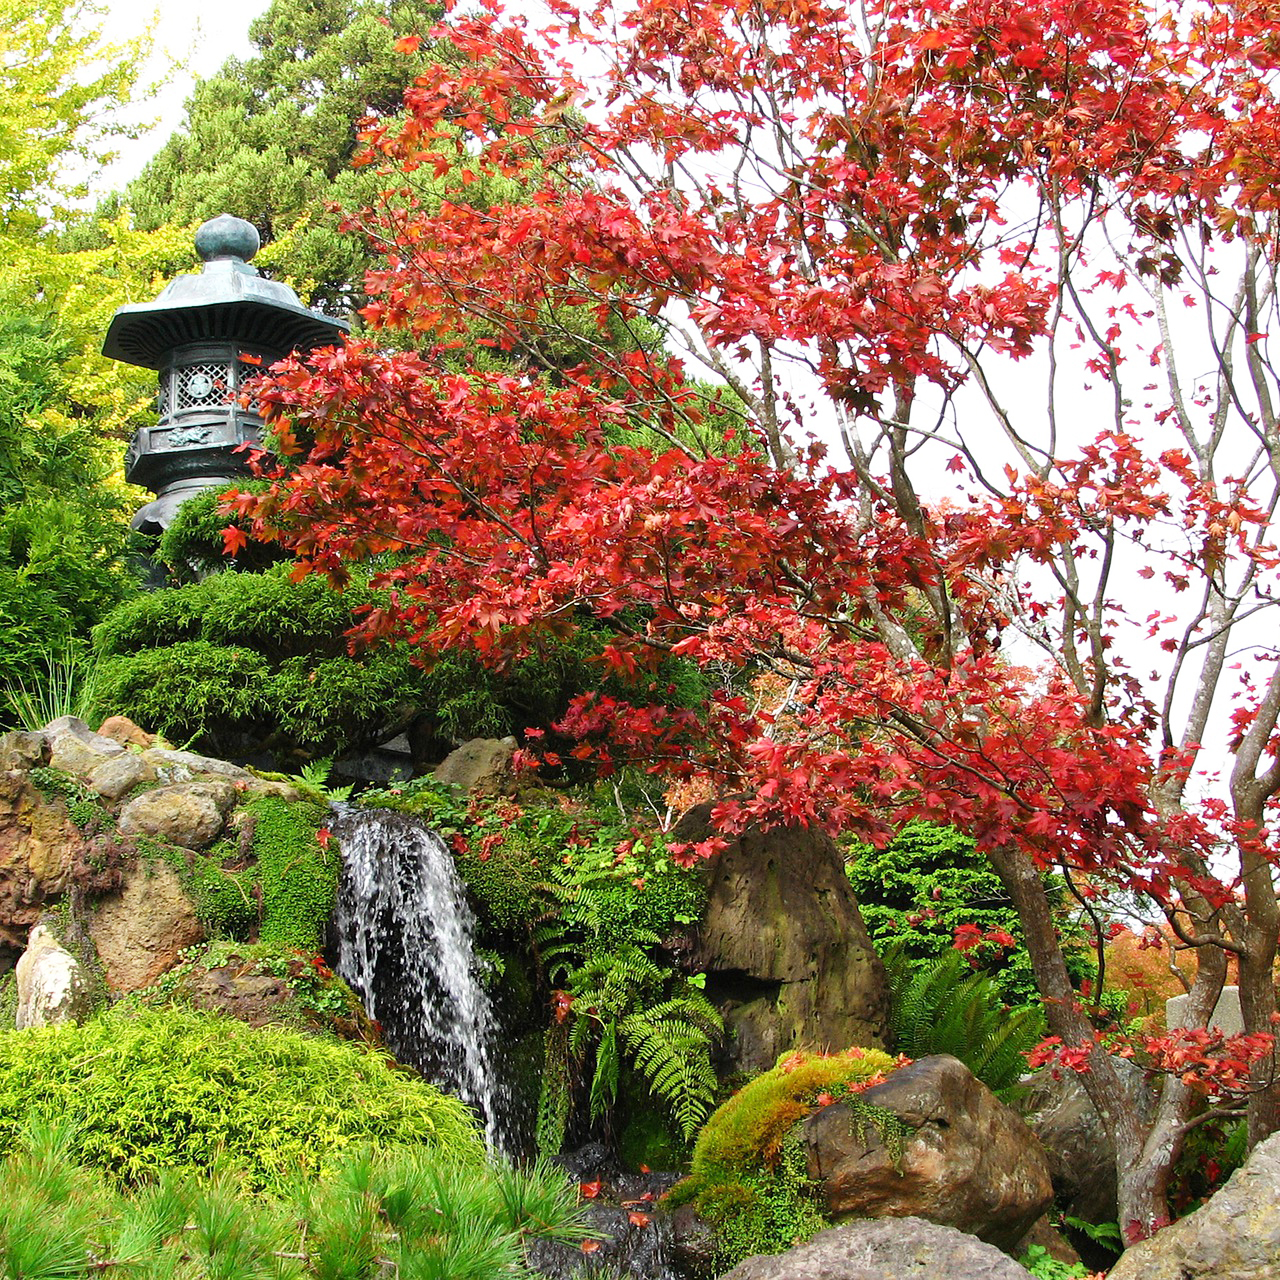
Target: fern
943,1007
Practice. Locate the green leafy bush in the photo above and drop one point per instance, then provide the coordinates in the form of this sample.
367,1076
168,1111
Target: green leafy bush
415,1215
749,1176
929,881
172,1089
943,1006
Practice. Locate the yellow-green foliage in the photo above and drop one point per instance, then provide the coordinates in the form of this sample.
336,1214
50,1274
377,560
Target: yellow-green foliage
748,1174
173,1089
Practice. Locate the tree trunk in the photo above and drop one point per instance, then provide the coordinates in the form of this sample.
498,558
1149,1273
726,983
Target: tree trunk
1142,1166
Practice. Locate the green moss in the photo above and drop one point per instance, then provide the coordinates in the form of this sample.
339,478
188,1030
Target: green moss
83,806
8,999
173,1090
275,885
648,1141
748,1174
297,873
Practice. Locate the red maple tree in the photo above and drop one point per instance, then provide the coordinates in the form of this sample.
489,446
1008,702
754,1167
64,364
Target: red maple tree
861,223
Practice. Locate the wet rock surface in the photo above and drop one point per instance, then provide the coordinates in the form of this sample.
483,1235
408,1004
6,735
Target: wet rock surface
966,1160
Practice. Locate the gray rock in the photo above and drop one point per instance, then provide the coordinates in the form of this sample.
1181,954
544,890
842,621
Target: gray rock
969,1161
1082,1157
190,814
482,765
75,748
51,985
119,774
141,931
21,752
185,766
788,960
885,1249
1235,1235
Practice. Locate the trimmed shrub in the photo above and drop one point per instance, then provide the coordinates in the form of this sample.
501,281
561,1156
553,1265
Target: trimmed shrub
172,1089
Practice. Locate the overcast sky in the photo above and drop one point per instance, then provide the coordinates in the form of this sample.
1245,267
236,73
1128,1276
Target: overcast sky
190,40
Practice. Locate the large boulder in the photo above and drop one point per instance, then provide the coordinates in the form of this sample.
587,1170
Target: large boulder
787,957
141,931
885,1249
1082,1157
189,814
482,766
1235,1235
51,984
957,1155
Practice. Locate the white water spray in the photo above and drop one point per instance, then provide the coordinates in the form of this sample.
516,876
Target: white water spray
404,934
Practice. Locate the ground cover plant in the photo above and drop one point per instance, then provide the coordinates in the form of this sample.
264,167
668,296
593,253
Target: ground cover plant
861,221
419,1215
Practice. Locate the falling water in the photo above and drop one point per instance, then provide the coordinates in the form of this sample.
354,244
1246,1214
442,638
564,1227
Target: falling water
404,935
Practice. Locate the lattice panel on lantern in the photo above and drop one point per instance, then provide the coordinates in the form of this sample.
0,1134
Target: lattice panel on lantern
245,371
202,384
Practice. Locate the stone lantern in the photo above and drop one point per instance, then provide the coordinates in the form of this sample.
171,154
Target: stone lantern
206,335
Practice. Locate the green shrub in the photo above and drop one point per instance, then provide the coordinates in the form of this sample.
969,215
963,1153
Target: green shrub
416,1215
749,1176
172,1089
930,880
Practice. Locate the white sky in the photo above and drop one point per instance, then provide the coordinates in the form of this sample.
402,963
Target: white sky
190,41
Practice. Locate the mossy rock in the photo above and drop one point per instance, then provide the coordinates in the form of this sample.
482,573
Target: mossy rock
263,985
749,1175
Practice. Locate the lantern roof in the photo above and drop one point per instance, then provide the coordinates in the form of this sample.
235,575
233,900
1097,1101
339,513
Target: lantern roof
227,302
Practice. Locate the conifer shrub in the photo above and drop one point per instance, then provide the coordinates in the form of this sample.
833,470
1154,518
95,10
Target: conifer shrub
415,1214
154,1090
749,1177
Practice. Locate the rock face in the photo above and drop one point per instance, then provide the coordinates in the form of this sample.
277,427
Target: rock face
970,1162
51,985
1082,1157
482,765
787,957
898,1249
1235,1235
141,932
38,844
190,814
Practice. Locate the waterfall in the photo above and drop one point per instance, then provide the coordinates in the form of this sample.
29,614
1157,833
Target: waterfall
404,944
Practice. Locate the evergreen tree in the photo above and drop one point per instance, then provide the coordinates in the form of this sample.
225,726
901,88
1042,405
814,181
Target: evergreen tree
272,138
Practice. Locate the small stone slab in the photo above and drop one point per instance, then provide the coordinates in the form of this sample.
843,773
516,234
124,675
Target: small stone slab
120,774
185,766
